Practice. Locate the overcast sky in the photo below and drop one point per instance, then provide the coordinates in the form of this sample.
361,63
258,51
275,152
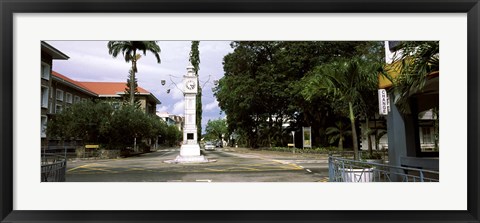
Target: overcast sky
90,61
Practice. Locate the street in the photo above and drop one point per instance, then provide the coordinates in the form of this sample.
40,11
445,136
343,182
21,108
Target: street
226,165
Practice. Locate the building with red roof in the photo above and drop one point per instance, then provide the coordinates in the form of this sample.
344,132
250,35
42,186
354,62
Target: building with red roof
68,91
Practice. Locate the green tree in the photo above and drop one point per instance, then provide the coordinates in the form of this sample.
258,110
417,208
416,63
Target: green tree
195,61
129,50
216,129
338,133
98,122
173,135
86,120
343,81
262,89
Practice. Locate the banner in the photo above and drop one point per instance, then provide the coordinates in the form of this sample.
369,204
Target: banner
383,102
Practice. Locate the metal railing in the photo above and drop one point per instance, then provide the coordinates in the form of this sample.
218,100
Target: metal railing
347,170
53,168
68,151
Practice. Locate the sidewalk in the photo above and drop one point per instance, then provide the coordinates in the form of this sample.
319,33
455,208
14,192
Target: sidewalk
278,154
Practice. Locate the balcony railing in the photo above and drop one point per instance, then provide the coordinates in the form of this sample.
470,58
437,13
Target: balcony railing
347,170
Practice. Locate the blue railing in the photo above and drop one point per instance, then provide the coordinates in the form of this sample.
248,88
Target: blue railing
347,170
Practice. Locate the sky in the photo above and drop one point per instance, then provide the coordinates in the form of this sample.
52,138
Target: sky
90,61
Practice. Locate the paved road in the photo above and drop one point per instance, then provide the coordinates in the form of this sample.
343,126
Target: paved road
228,165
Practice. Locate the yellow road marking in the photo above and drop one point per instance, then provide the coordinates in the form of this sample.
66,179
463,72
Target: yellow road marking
243,168
295,166
214,170
79,167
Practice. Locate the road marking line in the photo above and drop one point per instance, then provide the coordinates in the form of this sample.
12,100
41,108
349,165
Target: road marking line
204,181
214,170
308,170
290,164
78,167
301,166
243,168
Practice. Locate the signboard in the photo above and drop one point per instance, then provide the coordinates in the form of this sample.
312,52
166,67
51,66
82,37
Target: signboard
383,102
307,137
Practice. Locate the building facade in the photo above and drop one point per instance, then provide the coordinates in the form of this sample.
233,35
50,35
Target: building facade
48,54
413,136
68,91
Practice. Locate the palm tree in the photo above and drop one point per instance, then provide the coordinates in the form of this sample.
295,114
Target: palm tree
338,132
342,82
129,51
417,60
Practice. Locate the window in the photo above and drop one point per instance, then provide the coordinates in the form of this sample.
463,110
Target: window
45,71
68,98
59,95
427,135
43,126
189,136
44,99
58,108
76,99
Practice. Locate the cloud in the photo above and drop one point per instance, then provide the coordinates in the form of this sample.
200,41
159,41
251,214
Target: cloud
178,108
210,106
90,61
163,108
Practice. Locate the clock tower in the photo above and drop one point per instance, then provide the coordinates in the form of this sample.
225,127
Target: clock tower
190,150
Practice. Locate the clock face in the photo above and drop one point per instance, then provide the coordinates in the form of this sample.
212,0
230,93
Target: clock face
190,85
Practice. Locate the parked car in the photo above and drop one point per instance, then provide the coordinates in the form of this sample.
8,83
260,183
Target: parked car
209,146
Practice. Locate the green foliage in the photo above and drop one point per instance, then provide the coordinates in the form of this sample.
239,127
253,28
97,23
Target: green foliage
173,135
348,84
86,120
99,122
372,156
216,129
338,133
267,84
195,56
417,60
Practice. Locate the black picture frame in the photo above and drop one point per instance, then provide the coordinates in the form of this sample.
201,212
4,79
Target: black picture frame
9,7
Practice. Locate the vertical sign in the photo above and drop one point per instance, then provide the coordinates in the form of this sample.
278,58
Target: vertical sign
383,102
307,137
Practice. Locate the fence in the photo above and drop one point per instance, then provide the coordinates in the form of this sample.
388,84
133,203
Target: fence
68,151
53,168
346,170
361,153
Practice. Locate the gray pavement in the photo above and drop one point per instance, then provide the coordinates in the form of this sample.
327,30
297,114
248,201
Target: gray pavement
230,165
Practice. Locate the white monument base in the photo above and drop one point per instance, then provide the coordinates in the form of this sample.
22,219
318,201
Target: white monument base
189,154
190,150
190,159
